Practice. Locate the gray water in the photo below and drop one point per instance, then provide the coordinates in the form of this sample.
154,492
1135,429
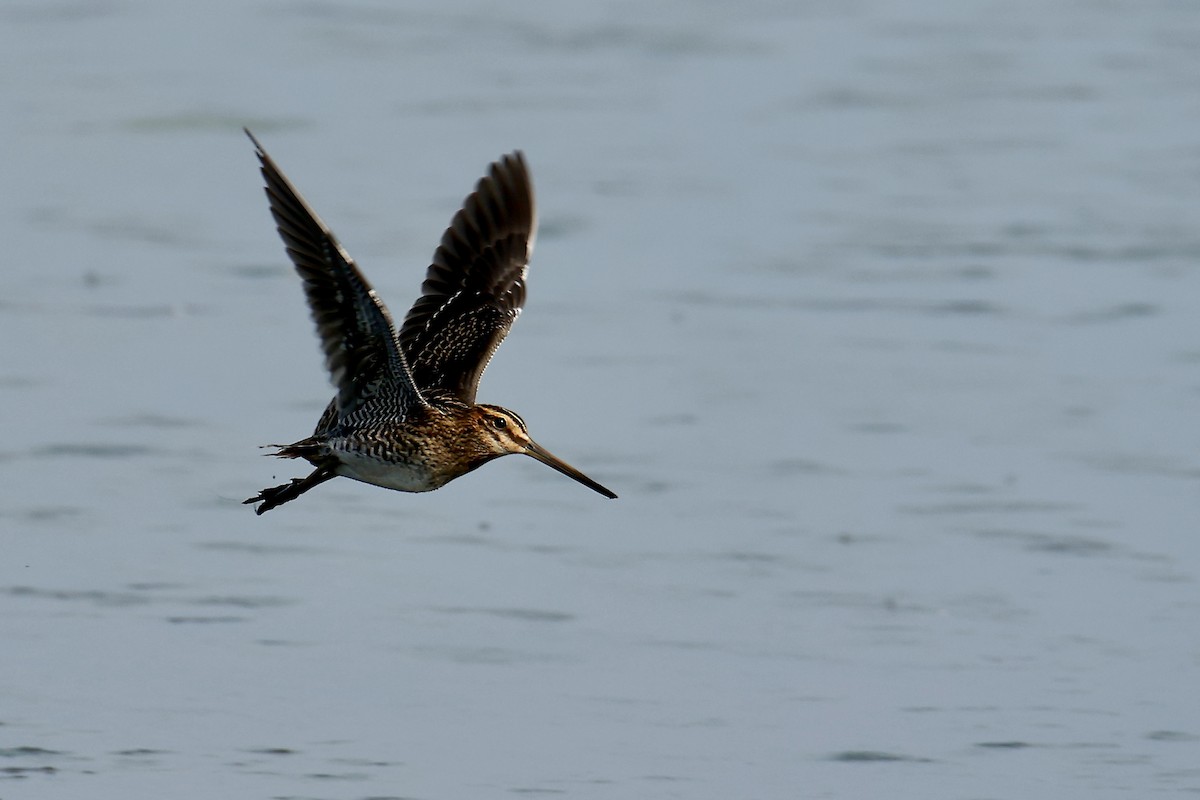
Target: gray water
881,318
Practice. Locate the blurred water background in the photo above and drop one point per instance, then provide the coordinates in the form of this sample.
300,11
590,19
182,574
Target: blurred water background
880,317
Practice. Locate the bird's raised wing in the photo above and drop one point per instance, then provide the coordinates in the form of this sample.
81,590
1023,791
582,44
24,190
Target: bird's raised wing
356,331
475,287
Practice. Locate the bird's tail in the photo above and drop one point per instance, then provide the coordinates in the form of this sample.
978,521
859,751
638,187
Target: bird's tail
308,449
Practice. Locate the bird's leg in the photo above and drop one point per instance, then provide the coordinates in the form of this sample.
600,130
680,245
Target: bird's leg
278,495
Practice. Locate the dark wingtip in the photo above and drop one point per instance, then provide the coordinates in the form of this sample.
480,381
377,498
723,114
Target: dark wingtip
257,145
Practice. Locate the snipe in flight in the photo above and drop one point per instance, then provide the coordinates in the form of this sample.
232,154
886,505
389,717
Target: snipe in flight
405,415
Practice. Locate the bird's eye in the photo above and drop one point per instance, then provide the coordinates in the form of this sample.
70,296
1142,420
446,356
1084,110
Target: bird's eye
500,422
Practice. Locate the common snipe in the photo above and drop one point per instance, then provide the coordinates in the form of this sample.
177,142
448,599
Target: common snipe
405,415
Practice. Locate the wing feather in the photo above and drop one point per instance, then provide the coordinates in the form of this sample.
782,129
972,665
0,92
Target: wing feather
356,331
475,288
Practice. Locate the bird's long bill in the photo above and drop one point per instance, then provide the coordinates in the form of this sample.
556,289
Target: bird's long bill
535,450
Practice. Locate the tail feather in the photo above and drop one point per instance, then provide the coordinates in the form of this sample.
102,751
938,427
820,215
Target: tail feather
308,449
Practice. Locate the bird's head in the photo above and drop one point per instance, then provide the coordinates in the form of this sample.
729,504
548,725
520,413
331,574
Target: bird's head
503,432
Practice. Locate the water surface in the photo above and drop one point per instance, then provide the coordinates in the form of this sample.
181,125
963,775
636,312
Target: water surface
880,319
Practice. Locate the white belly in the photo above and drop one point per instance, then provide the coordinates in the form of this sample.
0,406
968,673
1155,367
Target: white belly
403,477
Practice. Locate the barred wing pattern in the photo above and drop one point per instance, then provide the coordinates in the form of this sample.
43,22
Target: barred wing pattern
355,328
475,287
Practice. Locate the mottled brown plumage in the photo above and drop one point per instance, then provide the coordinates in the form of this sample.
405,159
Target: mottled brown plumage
405,415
